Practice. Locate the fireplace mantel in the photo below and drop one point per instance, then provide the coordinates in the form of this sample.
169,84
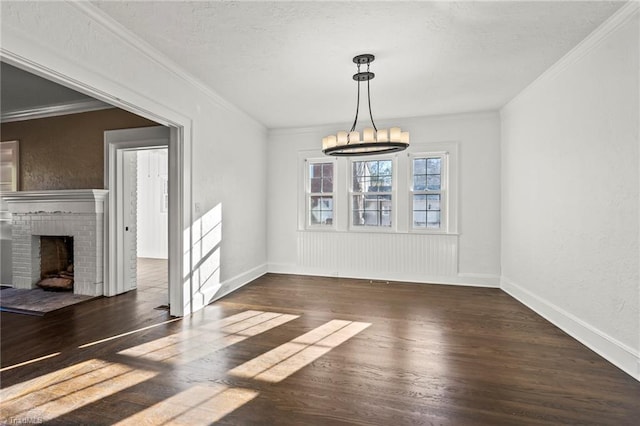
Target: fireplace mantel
57,201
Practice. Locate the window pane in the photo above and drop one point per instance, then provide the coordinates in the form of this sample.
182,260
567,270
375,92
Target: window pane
420,166
433,182
371,210
420,183
356,184
433,202
327,184
385,184
358,173
420,202
327,203
433,220
378,173
327,170
372,177
320,210
315,170
384,168
419,219
433,166
321,177
358,218
316,184
6,172
426,211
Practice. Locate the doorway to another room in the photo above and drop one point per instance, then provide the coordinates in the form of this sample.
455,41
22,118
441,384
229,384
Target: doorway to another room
152,238
139,213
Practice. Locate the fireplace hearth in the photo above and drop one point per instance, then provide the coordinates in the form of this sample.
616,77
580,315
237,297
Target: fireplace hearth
56,263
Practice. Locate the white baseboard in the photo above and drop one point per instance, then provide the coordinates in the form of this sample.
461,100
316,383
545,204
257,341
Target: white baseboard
481,280
473,280
240,280
622,356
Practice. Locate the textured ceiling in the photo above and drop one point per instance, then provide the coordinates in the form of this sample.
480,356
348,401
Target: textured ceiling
289,63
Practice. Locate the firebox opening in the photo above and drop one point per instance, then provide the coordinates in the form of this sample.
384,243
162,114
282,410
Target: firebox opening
56,263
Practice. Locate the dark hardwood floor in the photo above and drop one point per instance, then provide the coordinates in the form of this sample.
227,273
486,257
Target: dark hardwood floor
294,350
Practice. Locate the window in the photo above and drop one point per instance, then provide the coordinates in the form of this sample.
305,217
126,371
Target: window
9,166
371,193
409,192
320,195
428,196
9,173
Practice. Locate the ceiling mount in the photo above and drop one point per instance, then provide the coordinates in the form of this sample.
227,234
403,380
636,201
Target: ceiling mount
365,58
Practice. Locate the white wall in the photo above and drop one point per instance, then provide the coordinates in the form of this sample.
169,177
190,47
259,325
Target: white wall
153,215
570,190
224,148
473,257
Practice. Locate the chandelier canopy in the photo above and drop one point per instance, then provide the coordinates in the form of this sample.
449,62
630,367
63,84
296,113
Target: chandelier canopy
373,141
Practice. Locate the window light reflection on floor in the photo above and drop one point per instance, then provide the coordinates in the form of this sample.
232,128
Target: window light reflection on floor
55,394
281,362
190,345
31,361
97,342
198,405
60,392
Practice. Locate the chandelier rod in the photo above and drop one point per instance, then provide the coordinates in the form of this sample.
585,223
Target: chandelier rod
355,120
369,100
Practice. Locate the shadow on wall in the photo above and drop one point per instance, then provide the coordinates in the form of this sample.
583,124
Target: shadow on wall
206,234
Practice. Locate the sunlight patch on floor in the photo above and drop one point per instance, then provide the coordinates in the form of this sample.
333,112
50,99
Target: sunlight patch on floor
281,362
31,361
86,345
62,391
198,405
197,343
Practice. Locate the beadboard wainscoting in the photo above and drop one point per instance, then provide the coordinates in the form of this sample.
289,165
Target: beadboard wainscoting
412,257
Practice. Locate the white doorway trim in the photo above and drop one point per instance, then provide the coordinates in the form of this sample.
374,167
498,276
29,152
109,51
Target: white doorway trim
116,143
180,157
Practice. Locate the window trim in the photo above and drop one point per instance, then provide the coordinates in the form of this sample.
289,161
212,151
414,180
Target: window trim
13,147
394,194
444,192
308,194
401,190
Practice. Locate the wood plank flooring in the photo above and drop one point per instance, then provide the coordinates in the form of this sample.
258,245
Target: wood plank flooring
152,277
295,350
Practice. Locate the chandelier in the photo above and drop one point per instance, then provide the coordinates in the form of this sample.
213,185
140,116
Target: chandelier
373,141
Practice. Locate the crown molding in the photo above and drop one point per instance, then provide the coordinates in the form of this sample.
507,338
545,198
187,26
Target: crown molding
153,54
54,110
591,42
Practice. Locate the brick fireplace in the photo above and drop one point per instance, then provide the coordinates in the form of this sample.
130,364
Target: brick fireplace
77,214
